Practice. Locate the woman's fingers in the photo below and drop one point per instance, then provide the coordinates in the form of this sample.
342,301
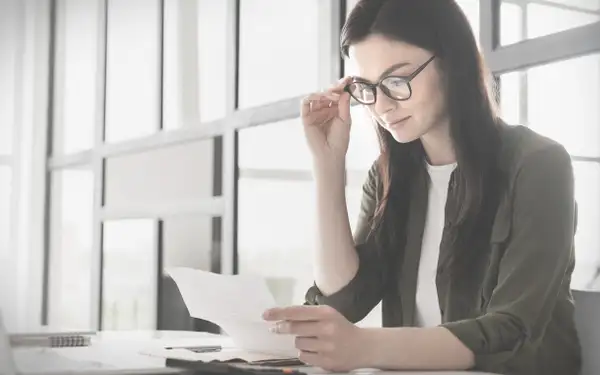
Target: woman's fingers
312,344
317,102
300,328
339,86
327,98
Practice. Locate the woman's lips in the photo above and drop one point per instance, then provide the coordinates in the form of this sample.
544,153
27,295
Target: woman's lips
398,123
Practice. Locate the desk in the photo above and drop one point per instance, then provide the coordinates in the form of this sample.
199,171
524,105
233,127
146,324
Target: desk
119,353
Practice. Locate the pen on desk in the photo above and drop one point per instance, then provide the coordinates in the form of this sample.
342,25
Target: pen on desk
198,349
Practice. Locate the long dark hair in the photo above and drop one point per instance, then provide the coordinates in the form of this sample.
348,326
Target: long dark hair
440,27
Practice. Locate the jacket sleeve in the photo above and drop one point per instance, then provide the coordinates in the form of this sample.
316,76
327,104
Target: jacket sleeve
364,291
537,258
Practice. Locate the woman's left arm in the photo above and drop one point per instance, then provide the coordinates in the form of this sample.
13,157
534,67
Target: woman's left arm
533,267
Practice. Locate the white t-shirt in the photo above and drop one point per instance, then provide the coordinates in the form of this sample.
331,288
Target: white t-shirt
428,312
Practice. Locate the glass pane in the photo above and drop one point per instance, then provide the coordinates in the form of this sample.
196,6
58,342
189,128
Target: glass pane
132,66
471,10
178,174
587,239
76,71
364,144
561,102
279,55
130,270
510,96
9,27
511,29
280,145
5,202
71,221
528,19
187,241
279,245
195,58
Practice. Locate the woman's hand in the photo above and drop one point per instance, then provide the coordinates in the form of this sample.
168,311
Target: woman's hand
326,121
324,337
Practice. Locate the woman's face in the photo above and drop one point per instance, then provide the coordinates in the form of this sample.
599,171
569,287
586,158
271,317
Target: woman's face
425,110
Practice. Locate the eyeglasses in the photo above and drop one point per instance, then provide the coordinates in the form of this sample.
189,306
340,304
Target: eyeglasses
396,87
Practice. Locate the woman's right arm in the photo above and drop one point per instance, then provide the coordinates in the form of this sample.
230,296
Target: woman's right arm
335,258
347,275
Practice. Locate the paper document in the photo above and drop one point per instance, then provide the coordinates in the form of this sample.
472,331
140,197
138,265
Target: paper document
235,303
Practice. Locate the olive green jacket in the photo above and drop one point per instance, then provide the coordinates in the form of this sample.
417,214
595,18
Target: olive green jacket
515,312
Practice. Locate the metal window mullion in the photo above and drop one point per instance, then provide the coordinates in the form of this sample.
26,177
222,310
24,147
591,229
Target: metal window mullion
276,174
212,206
557,5
98,169
70,160
228,255
551,48
586,159
49,192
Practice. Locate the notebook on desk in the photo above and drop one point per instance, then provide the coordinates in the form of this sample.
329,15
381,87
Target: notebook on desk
223,355
55,339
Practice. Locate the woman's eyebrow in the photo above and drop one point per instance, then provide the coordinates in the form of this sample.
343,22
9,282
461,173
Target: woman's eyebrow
392,68
385,72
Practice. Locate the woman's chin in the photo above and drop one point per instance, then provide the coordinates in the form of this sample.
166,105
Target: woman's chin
403,135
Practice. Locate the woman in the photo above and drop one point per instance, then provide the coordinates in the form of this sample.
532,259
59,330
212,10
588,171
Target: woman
466,226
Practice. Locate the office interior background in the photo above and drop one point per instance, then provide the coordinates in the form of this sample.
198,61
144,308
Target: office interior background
137,135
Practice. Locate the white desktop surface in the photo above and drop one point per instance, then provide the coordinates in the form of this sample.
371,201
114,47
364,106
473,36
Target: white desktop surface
120,353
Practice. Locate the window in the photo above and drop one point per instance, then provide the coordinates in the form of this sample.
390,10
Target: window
528,19
177,174
71,249
195,58
187,241
275,146
129,275
511,85
560,100
9,48
587,240
132,69
279,55
471,11
363,149
279,245
76,68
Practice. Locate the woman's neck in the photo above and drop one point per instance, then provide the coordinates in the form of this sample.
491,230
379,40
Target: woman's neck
438,145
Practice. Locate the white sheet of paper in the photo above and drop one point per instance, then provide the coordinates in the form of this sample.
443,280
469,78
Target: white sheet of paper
235,303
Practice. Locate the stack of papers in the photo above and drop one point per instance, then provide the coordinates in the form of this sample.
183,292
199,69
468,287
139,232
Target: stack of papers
235,303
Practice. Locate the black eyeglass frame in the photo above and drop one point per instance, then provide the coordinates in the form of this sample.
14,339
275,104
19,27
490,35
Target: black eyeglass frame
373,86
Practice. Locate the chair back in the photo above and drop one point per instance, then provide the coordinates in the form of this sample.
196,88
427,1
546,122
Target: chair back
7,362
587,320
